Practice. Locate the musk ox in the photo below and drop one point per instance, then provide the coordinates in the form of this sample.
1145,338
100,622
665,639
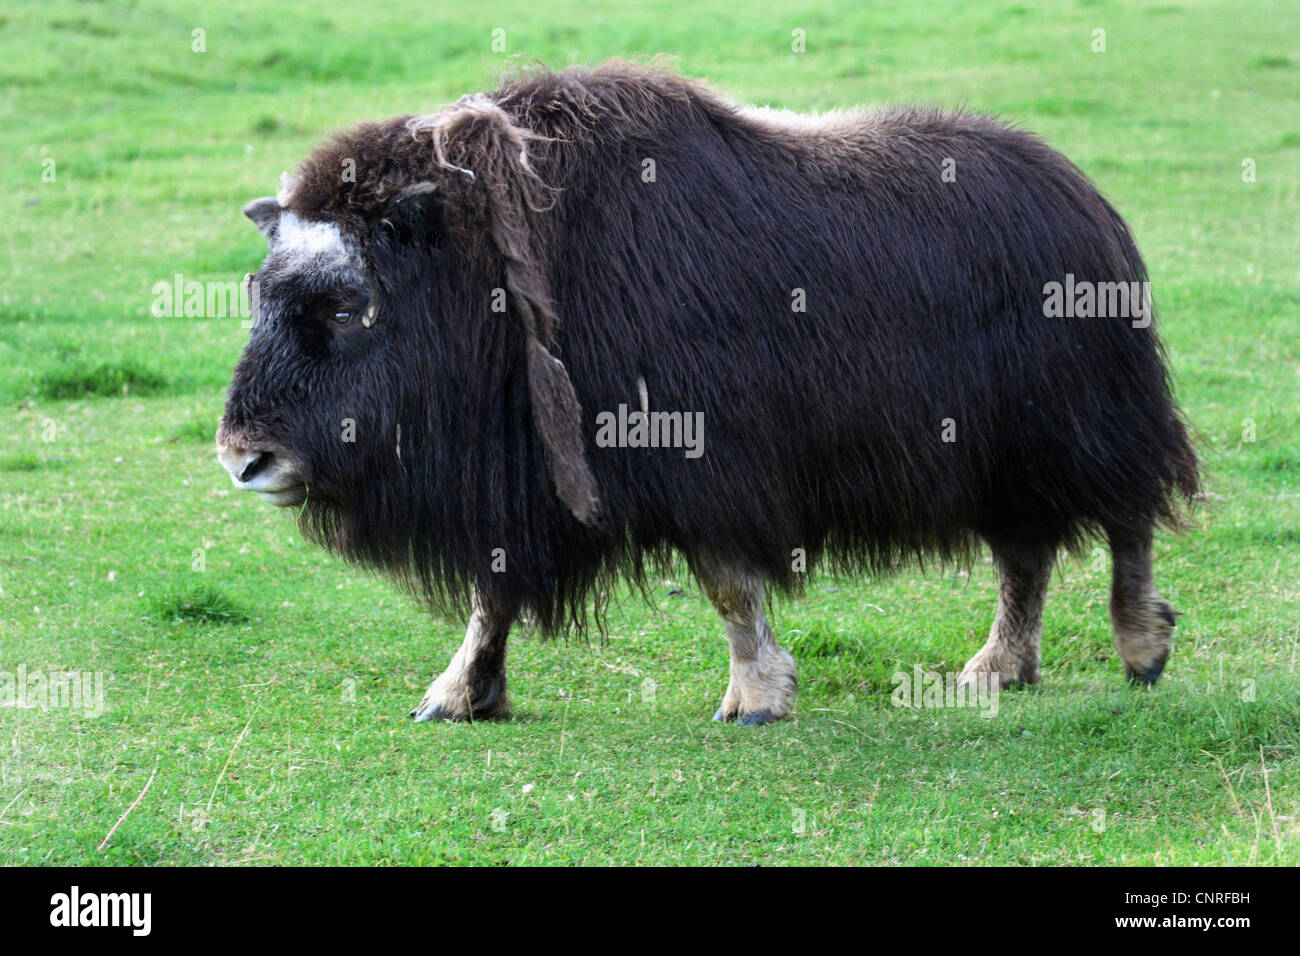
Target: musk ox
482,331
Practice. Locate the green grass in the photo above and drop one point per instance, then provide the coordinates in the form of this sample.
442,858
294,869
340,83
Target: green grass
267,684
102,380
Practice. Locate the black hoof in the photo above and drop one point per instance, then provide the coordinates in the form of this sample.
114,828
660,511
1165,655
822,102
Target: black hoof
434,715
1145,680
720,717
756,718
483,707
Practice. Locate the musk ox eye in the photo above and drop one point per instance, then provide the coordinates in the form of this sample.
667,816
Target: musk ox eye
347,313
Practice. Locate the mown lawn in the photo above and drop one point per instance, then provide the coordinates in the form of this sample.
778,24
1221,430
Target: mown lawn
265,686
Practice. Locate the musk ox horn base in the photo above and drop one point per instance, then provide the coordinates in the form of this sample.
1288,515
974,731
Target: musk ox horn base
558,417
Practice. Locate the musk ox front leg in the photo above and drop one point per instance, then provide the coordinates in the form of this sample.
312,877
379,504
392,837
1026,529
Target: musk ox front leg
763,682
473,687
1014,645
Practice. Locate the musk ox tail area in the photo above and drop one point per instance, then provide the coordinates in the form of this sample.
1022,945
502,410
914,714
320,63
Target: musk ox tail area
858,339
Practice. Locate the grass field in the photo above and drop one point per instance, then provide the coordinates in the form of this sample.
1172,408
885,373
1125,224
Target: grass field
264,686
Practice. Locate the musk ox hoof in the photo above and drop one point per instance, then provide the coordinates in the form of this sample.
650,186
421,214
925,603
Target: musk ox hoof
761,691
1002,668
755,718
1144,634
454,702
1146,678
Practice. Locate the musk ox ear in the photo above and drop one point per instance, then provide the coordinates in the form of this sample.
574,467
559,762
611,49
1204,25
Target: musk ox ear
477,139
265,213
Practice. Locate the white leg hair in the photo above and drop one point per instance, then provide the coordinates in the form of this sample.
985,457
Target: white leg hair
763,682
473,687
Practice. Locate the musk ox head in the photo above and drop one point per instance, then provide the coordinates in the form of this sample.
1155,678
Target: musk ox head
402,344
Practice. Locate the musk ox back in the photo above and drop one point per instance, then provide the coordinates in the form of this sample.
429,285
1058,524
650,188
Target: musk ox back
552,335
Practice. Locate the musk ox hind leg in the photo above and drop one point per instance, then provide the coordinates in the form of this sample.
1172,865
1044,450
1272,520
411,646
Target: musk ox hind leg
473,687
1014,645
763,683
1143,620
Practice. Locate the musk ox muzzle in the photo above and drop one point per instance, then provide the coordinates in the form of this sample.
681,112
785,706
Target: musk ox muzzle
261,466
478,329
